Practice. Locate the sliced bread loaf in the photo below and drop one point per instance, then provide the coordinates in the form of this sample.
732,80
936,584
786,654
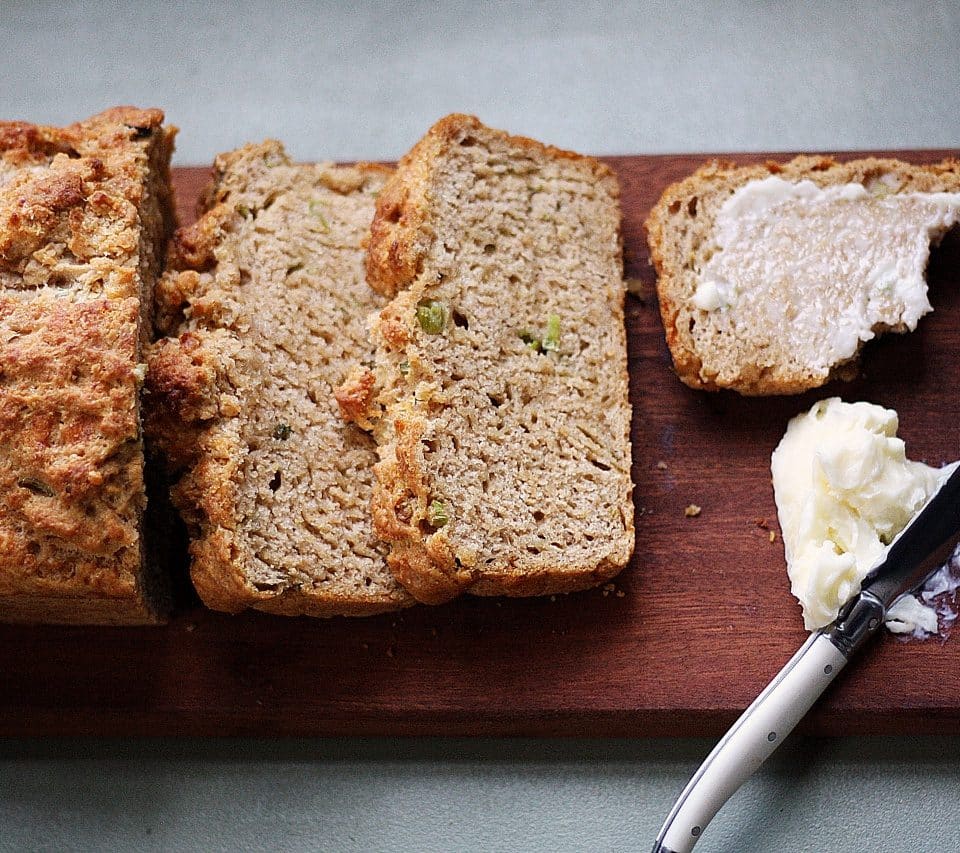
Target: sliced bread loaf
771,277
85,212
268,304
503,416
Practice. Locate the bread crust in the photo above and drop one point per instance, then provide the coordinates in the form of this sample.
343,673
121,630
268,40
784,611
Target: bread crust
84,213
424,559
701,195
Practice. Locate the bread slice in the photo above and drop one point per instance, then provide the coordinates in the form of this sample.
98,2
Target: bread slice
835,279
85,211
504,440
267,299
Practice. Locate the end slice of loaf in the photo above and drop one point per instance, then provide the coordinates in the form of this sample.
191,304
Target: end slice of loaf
504,436
751,351
267,306
85,212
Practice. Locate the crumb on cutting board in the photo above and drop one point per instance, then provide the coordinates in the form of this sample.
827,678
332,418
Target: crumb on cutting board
643,290
692,511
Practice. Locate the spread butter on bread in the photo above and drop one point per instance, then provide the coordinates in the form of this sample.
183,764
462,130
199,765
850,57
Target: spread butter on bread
772,277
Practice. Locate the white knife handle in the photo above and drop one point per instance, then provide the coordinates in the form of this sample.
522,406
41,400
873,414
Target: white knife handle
750,741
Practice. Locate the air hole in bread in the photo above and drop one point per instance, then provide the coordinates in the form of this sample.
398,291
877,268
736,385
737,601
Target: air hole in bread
33,547
37,487
674,206
275,481
495,401
459,319
468,142
59,279
537,515
598,464
426,528
692,206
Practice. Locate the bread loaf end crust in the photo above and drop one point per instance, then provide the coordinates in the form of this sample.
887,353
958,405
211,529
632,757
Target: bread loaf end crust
85,211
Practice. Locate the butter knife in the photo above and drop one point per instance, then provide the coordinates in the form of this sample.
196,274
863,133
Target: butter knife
920,549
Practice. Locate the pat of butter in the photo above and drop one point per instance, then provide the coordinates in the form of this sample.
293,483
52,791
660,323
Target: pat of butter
824,266
844,489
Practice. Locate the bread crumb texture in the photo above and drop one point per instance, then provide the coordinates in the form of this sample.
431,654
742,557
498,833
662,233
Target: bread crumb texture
266,306
85,211
711,350
504,419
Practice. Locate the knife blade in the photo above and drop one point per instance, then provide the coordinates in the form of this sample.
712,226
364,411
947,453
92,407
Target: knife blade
920,549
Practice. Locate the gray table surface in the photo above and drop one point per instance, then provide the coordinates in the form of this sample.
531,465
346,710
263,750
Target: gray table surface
365,81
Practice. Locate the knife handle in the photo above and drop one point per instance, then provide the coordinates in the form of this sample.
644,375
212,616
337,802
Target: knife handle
750,741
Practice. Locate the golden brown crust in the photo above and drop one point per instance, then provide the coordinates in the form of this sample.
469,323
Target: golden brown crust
87,196
188,390
355,397
422,557
719,179
423,563
60,449
84,213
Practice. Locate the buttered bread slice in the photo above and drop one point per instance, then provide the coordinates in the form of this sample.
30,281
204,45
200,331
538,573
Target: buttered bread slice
501,361
771,278
267,307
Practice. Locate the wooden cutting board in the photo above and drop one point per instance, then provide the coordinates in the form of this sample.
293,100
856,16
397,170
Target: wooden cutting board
679,645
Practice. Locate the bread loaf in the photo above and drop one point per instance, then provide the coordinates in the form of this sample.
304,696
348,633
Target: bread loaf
771,277
501,406
266,308
85,211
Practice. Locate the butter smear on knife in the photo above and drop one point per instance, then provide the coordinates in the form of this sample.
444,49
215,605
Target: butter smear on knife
844,489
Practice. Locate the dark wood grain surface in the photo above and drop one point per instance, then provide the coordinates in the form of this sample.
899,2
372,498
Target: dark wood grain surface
690,633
